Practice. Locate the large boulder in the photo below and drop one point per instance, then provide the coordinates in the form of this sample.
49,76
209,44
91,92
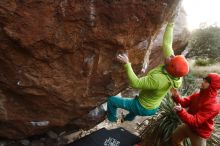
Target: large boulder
57,57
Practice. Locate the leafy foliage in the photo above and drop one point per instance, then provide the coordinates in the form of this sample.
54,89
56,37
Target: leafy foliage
205,43
215,138
190,85
204,61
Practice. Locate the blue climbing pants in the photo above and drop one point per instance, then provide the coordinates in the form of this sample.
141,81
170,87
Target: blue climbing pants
130,104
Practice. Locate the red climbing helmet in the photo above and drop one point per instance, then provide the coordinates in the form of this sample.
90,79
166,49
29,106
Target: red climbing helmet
178,66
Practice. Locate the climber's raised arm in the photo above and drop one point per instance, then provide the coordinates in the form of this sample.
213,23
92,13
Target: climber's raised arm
168,40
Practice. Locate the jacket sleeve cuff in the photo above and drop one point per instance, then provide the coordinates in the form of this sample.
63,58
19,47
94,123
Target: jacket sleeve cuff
127,65
170,24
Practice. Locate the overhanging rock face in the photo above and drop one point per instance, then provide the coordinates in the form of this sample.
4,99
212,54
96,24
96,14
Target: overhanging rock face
180,40
57,57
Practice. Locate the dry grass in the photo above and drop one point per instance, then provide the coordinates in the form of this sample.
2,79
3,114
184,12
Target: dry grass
202,71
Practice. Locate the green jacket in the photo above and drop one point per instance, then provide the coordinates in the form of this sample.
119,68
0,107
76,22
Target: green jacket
156,84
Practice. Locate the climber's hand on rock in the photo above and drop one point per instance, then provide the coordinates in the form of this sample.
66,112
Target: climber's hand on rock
123,58
143,70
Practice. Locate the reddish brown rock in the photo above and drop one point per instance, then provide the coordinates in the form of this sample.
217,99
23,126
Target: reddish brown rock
57,57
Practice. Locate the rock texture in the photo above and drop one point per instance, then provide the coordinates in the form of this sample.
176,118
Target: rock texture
180,40
57,57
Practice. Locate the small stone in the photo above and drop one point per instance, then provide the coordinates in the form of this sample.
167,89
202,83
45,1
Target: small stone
51,142
61,141
62,133
73,136
52,135
25,142
43,139
2,143
136,133
36,143
146,122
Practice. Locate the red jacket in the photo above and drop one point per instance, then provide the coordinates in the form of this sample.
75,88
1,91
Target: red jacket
202,108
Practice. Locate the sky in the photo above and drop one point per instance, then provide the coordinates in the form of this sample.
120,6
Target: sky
202,11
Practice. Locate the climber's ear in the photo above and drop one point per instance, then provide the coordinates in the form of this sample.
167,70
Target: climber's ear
172,56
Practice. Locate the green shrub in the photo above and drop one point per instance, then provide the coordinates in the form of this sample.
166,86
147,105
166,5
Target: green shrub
160,128
214,140
190,85
205,42
204,61
202,71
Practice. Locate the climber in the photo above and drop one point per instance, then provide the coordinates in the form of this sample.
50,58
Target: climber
202,107
154,86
